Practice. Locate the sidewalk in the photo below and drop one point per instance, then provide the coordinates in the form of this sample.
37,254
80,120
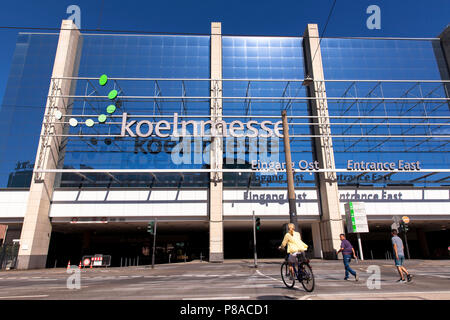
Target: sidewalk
246,262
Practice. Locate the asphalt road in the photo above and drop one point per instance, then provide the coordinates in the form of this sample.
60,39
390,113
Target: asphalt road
232,280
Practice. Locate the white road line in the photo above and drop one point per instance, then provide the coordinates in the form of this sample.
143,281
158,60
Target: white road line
248,286
217,298
262,274
432,275
44,279
82,287
18,297
360,294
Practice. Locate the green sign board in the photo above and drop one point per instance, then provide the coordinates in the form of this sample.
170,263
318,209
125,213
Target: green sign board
356,217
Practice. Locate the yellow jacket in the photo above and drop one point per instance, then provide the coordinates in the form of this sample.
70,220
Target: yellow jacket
295,244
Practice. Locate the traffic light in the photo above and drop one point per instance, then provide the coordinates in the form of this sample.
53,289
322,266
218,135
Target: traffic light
151,227
258,223
405,227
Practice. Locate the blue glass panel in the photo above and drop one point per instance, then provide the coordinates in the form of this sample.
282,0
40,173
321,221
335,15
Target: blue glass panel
136,56
364,59
23,107
266,58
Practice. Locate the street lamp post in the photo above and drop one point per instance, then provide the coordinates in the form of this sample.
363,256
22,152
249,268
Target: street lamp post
254,241
289,172
154,244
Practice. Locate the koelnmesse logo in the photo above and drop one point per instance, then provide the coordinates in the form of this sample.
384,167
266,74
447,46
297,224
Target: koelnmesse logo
190,141
112,95
164,128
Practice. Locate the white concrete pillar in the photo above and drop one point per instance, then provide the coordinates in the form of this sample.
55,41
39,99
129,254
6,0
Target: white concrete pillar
331,225
445,43
317,240
216,151
37,228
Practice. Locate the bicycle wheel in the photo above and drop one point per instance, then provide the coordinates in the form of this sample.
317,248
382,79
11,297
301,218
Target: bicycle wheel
288,280
307,277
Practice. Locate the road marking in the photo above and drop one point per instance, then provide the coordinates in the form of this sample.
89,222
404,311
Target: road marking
217,298
126,289
360,294
18,297
432,275
262,274
48,279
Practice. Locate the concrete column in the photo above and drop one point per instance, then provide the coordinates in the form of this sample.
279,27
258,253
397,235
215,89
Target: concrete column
317,240
423,243
86,241
331,224
36,229
445,43
216,151
3,229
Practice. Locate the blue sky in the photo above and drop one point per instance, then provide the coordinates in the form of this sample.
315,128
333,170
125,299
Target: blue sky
412,18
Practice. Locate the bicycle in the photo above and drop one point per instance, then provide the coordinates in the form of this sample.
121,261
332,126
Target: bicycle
303,274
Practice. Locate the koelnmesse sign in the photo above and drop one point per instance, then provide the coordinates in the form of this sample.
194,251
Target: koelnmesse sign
219,128
258,140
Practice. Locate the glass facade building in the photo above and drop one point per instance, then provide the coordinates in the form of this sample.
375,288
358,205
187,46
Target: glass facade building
386,100
354,70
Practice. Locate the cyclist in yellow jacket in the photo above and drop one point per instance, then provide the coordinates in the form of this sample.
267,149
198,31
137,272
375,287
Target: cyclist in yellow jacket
295,246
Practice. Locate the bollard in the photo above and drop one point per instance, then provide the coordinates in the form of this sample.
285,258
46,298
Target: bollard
138,261
121,262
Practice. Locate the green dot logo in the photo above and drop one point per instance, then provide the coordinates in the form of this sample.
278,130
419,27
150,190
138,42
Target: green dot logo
73,122
89,123
102,118
112,95
111,108
103,80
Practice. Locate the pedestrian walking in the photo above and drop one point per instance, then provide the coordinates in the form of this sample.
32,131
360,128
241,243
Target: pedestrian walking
399,257
347,252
